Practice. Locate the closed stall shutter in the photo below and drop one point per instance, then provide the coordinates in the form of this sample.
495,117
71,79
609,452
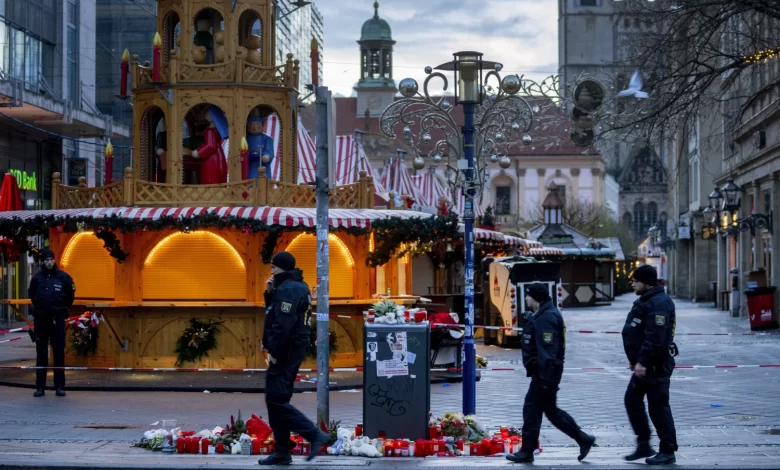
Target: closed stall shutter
90,266
340,273
194,266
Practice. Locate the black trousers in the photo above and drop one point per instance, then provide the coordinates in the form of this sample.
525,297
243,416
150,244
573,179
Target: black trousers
282,416
540,401
49,328
657,391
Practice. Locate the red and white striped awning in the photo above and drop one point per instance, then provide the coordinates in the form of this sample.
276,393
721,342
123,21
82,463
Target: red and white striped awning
306,153
351,159
545,251
397,179
517,241
284,216
430,188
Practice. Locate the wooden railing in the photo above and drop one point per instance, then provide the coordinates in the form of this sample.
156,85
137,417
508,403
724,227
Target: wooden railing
262,191
236,70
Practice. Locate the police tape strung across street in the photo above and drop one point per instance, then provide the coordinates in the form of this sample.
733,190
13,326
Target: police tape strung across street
13,339
69,321
606,332
360,369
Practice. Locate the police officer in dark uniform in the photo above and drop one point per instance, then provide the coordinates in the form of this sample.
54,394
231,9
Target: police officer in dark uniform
648,341
285,339
544,347
52,292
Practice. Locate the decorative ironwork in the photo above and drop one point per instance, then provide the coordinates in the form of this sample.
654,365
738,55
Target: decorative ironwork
501,123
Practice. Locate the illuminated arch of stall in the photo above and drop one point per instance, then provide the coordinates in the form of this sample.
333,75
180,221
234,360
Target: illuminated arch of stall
91,267
198,265
341,273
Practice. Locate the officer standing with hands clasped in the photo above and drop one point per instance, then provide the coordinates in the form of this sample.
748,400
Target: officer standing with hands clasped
285,338
544,347
648,337
52,292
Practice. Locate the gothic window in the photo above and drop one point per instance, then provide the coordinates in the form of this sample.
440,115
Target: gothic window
627,220
639,217
662,224
503,200
652,215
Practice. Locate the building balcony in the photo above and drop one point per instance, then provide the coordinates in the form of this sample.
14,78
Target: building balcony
132,192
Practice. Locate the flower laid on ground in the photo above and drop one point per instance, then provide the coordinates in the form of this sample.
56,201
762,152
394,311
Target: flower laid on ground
84,334
389,313
482,362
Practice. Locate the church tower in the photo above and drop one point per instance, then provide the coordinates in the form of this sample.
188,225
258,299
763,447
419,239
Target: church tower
376,87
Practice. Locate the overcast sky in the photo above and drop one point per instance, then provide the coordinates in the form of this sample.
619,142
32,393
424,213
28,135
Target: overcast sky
521,34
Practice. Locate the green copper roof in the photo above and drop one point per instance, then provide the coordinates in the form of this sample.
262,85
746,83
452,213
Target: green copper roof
376,29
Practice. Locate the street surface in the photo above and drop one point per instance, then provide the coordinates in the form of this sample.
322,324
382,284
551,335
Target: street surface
724,416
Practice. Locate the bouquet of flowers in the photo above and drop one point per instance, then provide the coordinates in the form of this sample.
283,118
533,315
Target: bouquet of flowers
84,335
388,312
454,424
482,362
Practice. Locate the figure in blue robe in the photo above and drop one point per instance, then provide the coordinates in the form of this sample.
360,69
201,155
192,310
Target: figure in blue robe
259,144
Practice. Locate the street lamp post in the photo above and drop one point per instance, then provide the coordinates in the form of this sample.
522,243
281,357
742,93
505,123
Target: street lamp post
490,127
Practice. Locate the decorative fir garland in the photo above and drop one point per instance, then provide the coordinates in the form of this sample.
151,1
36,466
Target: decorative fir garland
196,341
390,233
84,335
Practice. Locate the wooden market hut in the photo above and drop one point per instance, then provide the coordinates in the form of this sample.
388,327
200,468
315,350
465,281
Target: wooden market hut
156,249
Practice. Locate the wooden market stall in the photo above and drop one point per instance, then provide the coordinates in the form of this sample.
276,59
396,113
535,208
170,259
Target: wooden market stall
158,248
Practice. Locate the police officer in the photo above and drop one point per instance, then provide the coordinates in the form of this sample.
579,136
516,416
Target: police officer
544,347
52,292
648,341
285,339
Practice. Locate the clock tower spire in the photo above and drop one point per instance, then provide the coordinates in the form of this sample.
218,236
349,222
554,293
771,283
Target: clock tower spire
376,87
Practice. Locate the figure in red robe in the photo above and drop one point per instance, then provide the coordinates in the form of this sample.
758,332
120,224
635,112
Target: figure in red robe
213,167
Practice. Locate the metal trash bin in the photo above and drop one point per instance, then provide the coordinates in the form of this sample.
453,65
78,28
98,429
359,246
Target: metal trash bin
396,380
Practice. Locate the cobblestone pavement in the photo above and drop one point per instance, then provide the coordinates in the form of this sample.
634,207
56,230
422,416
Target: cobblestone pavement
713,408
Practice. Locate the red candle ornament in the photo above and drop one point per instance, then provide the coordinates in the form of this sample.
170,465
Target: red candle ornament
156,57
181,445
125,69
109,153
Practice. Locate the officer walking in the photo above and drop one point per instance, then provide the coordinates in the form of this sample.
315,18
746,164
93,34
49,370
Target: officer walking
544,347
648,341
285,338
52,292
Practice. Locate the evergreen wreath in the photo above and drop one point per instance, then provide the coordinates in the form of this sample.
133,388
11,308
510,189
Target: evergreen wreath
84,335
312,349
196,341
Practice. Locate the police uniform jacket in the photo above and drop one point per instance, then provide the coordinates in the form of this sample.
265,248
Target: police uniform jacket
51,291
288,315
649,333
544,345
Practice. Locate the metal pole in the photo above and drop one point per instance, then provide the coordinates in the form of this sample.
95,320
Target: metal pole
323,309
469,351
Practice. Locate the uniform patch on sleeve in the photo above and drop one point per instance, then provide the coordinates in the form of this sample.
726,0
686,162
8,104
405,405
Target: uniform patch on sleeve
547,337
286,306
660,320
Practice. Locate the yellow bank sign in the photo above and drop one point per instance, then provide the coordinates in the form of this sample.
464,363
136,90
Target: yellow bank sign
26,182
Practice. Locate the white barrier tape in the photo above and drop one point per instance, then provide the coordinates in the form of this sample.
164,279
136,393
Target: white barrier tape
13,339
609,332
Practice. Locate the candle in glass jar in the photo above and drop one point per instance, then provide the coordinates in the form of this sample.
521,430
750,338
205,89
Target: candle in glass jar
507,446
359,430
466,448
220,448
204,446
181,445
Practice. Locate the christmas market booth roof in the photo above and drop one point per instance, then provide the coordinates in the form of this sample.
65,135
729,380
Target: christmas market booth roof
571,242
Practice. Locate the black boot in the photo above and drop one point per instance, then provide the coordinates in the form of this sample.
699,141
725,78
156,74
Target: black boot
521,457
643,449
661,459
60,392
39,393
276,458
586,441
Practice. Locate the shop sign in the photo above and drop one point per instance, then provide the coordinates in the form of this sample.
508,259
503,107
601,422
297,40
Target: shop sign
26,182
684,232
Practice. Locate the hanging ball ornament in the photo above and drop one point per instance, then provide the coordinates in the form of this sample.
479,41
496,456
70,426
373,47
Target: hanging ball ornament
510,84
426,137
535,109
499,136
515,126
437,158
493,158
407,130
527,139
408,87
446,105
504,162
428,69
419,163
